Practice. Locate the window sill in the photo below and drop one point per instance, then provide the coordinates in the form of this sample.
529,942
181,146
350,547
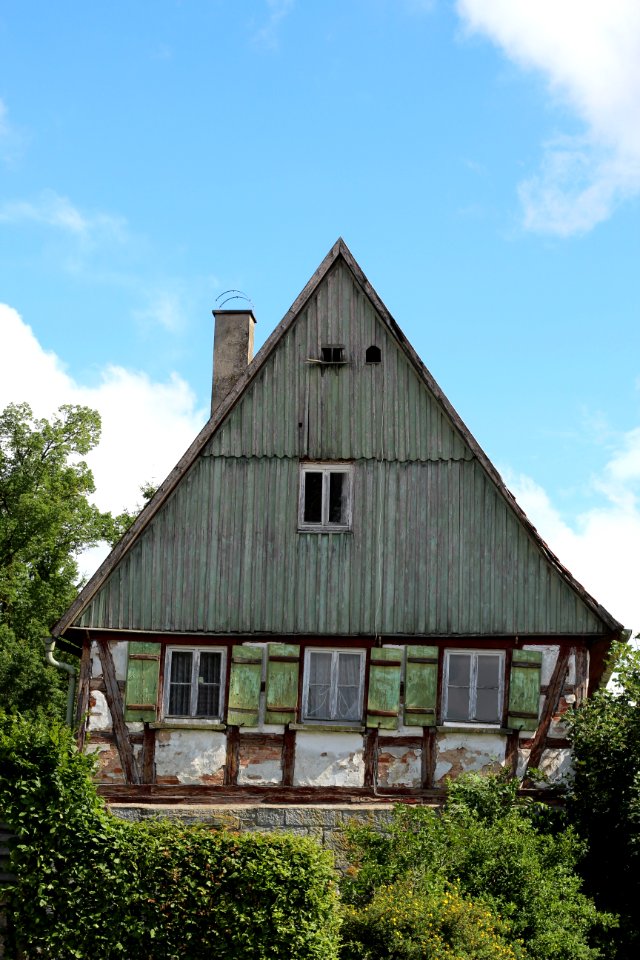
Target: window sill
320,529
473,728
312,726
178,723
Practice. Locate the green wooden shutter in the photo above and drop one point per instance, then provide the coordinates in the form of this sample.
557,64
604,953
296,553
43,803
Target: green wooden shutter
244,687
283,666
421,687
383,702
143,671
524,689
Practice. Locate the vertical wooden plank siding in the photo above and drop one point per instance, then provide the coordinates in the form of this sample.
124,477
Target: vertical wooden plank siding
434,547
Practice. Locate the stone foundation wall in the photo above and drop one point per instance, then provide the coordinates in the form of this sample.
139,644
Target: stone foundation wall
325,823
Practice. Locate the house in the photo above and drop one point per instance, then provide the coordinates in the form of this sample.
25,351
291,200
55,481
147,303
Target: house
333,594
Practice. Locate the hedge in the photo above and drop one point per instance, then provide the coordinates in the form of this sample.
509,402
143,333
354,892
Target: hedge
89,884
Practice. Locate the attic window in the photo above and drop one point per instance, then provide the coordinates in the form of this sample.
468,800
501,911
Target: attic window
373,355
325,497
332,354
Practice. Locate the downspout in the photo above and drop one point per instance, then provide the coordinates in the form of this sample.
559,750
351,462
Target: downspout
50,645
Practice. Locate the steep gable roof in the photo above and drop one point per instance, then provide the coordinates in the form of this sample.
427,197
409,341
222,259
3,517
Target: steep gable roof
211,441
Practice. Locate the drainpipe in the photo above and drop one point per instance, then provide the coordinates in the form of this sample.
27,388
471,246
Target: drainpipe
59,665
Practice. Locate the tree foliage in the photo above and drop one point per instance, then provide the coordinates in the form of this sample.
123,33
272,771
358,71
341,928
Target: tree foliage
90,885
604,794
46,520
489,852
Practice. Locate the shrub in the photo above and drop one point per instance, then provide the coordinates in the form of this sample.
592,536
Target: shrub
500,853
604,795
403,923
92,885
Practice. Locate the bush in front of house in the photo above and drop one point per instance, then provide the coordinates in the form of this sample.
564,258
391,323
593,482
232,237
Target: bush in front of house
603,795
403,922
491,852
91,885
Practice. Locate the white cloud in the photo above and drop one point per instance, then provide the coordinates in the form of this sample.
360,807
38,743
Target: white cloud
601,547
52,210
267,35
10,139
165,310
146,425
588,51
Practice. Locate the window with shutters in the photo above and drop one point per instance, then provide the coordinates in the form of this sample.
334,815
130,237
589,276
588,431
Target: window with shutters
325,497
333,684
194,682
473,686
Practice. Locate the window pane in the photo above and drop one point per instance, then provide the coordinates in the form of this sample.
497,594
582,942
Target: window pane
488,671
312,497
458,703
318,706
180,683
487,706
348,701
209,684
336,497
459,669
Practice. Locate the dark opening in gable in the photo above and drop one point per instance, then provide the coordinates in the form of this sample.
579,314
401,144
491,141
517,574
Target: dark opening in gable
373,354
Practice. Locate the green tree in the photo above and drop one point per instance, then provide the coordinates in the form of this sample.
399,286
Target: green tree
513,860
46,520
604,794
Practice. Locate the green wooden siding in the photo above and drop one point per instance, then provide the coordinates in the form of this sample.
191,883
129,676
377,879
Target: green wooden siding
297,409
434,549
143,671
421,686
383,702
524,689
243,708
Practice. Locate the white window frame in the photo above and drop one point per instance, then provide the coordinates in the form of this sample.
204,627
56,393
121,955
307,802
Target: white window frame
473,687
193,696
333,692
326,469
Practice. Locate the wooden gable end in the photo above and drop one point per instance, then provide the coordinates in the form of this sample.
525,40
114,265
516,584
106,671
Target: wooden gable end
297,406
435,547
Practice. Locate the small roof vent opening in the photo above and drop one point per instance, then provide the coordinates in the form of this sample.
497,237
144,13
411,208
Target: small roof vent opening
332,354
373,355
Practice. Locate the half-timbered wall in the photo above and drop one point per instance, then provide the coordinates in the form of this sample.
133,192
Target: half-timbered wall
392,758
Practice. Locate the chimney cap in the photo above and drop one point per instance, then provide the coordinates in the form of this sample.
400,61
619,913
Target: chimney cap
230,313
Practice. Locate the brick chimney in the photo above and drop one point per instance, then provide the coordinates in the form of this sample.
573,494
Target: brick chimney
232,351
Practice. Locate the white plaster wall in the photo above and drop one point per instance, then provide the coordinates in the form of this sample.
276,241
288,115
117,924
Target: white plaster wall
549,656
193,756
267,771
99,713
465,752
329,759
555,763
405,770
119,654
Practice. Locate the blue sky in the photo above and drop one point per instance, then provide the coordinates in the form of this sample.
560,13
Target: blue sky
481,158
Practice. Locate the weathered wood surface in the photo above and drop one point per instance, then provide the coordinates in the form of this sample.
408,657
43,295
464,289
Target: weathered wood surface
116,708
550,705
